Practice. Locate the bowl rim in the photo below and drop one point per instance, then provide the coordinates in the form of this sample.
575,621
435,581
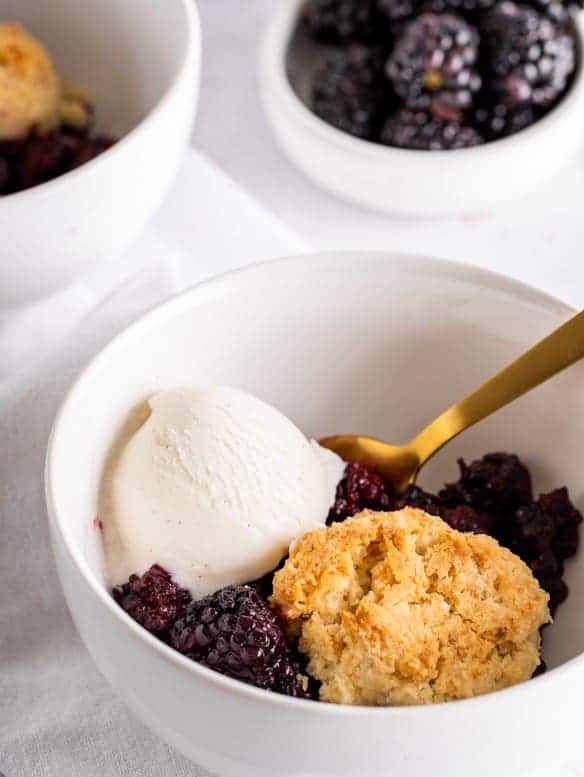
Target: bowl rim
189,299
191,57
274,78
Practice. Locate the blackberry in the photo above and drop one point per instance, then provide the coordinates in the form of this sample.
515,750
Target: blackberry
414,496
235,632
433,65
529,58
400,10
360,489
39,158
545,534
153,600
499,482
351,93
420,131
342,21
558,10
495,120
467,519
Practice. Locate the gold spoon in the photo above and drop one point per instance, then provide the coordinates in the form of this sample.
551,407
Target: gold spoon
401,463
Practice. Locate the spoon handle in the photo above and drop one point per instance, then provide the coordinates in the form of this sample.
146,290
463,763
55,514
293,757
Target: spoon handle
550,356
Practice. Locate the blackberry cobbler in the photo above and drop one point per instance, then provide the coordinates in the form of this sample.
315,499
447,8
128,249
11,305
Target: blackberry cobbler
46,123
258,554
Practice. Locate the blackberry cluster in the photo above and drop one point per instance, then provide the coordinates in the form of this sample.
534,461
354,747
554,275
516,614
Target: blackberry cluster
39,158
153,600
235,632
441,74
360,489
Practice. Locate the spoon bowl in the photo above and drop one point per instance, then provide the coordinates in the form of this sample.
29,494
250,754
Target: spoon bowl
398,463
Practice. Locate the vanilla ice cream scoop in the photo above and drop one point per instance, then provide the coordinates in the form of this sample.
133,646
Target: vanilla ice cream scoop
32,94
214,486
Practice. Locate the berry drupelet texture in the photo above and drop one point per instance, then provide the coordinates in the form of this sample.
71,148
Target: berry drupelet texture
433,66
421,131
342,21
558,10
350,91
153,600
495,120
360,489
235,632
529,58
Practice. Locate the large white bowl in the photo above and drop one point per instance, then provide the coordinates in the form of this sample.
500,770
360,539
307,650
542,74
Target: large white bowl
359,342
140,61
398,180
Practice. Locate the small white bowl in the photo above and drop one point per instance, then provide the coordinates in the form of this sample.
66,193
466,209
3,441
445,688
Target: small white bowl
141,62
399,180
363,342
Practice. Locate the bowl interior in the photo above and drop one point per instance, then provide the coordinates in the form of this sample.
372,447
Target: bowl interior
126,52
369,343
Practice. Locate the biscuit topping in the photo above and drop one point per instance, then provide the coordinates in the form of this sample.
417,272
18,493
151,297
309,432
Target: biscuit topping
398,608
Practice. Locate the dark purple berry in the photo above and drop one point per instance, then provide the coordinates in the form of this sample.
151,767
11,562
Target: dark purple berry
360,489
558,10
433,66
350,92
235,632
153,600
530,58
498,482
419,131
39,158
466,519
495,120
416,497
342,21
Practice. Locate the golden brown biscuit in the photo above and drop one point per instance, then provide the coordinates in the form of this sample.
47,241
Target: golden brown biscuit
398,608
32,95
30,89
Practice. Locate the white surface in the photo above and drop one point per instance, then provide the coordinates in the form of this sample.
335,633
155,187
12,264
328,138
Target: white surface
538,239
213,486
395,180
281,331
142,63
58,718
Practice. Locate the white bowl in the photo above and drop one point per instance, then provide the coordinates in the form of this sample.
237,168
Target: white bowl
400,180
140,61
359,342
